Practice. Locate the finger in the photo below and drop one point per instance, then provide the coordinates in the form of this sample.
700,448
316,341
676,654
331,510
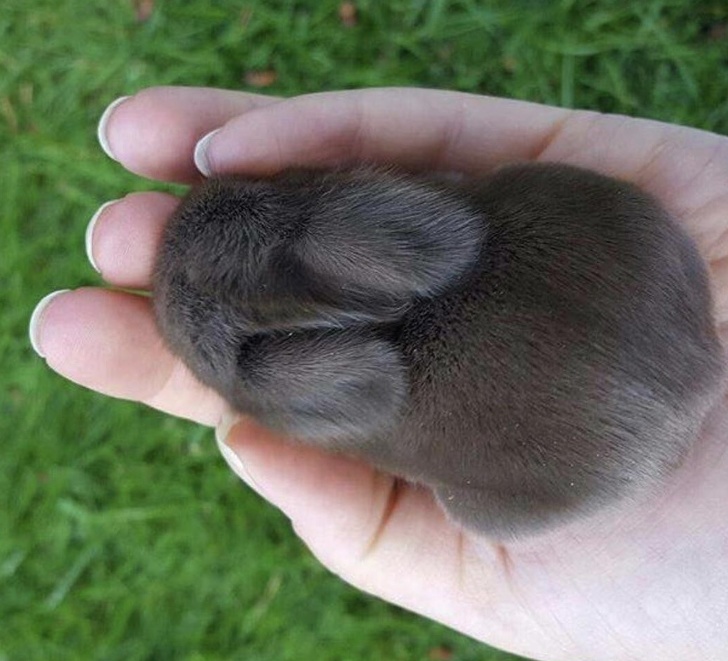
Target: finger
389,540
107,341
154,132
413,128
124,236
437,130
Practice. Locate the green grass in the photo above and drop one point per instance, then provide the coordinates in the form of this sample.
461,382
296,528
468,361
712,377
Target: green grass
122,534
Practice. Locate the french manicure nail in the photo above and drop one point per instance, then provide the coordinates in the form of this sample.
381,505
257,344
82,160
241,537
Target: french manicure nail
90,233
35,319
201,157
101,129
227,422
222,431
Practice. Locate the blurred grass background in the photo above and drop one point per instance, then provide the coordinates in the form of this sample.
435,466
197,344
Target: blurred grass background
122,533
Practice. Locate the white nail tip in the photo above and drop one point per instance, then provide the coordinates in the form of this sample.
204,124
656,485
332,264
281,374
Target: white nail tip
35,318
227,422
90,233
101,129
202,162
233,461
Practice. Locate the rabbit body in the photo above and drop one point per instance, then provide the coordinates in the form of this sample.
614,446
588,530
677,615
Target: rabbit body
532,345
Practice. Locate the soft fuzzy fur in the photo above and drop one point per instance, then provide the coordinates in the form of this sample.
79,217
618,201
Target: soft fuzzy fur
531,346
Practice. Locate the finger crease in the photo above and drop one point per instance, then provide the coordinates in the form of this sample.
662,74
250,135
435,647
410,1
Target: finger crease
164,384
393,496
451,134
554,133
505,562
356,139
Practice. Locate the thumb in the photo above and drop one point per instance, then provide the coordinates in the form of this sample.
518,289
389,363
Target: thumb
326,497
376,532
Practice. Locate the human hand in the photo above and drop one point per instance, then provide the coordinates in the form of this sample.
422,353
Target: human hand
648,580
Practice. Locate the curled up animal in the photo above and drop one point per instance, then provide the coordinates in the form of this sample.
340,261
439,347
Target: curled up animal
532,346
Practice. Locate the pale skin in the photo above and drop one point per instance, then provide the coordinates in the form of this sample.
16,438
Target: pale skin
648,580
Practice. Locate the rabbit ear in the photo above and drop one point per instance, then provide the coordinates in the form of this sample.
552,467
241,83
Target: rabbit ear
375,232
331,388
311,247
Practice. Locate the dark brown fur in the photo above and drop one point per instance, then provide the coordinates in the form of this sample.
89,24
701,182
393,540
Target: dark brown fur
531,346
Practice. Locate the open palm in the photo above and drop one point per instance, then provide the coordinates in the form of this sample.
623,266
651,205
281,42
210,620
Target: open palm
647,580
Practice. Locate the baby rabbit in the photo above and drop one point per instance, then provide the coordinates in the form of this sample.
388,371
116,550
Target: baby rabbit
532,346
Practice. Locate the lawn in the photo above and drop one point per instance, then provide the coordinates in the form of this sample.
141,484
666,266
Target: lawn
123,536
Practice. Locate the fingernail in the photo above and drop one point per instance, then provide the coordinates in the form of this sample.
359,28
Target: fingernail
222,431
35,319
101,129
90,233
202,160
224,427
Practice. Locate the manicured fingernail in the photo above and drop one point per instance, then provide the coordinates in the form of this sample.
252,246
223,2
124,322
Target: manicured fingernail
224,427
90,233
101,129
35,319
202,158
222,431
